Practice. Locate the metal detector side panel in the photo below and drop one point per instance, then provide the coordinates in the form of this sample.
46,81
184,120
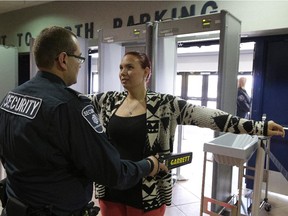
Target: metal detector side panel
227,94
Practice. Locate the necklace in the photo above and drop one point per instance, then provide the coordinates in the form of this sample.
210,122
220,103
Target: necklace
131,109
132,105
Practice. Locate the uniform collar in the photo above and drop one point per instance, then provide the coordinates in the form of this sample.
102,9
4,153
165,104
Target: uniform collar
50,76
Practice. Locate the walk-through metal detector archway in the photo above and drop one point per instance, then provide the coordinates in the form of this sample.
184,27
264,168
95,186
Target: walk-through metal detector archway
221,26
224,27
113,43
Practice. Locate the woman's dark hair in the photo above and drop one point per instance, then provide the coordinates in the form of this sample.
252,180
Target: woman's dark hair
143,58
50,43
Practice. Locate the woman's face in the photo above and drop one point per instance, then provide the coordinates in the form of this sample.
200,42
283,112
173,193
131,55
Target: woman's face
131,73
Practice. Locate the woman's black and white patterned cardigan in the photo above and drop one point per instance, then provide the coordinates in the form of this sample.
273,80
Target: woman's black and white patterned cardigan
164,113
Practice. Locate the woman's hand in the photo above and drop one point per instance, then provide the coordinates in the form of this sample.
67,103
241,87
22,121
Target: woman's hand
274,129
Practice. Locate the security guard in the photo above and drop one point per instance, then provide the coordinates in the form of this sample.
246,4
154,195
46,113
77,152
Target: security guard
51,142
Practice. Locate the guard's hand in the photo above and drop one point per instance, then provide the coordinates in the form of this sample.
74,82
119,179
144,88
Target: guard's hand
274,129
157,165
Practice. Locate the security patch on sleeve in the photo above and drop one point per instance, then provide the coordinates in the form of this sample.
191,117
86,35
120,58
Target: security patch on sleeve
22,105
91,117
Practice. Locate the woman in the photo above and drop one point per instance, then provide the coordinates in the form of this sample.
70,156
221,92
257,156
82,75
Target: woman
141,123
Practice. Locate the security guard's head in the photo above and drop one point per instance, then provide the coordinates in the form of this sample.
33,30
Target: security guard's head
57,50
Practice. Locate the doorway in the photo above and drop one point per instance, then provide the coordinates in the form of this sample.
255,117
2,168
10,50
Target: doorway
23,67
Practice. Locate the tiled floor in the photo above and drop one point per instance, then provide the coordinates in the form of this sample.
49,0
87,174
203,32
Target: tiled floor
187,196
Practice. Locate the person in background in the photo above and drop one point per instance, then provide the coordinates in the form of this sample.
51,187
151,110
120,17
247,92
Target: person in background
52,144
137,115
243,99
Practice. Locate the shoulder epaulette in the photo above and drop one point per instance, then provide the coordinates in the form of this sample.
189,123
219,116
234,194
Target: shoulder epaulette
78,94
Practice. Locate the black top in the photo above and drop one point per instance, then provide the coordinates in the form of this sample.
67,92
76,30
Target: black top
53,147
128,135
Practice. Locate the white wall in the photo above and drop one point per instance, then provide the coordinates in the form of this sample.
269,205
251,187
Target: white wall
255,15
8,70
8,78
258,14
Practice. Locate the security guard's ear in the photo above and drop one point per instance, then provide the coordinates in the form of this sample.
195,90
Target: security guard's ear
61,61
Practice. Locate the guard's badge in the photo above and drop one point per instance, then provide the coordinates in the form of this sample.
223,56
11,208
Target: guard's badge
22,105
91,117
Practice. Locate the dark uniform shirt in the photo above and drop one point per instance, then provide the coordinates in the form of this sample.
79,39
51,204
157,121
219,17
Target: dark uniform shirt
53,147
243,103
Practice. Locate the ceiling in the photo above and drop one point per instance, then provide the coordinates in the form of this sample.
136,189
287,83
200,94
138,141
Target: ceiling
8,6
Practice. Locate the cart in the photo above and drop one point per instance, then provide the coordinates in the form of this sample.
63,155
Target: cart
235,150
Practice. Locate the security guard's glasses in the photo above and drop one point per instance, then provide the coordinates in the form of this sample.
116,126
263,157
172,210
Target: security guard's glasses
81,59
